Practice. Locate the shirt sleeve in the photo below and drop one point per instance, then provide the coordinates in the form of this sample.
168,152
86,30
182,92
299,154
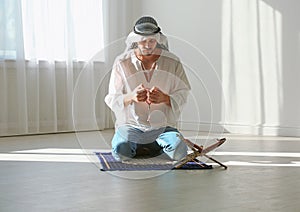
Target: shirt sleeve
115,98
180,91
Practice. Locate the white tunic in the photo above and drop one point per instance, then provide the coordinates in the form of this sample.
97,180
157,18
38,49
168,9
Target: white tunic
169,76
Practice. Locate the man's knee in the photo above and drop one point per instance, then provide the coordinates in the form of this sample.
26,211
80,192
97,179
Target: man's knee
123,150
173,146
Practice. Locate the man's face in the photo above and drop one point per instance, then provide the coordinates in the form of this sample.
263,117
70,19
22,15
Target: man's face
147,46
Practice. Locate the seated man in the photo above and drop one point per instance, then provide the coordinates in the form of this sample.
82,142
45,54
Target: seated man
147,89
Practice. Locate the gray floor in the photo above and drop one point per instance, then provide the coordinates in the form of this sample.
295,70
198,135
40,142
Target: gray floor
59,172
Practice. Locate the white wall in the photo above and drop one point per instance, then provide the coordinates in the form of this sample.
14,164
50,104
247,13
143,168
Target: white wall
253,47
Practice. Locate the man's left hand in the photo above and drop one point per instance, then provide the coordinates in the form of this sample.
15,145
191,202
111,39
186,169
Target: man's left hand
156,96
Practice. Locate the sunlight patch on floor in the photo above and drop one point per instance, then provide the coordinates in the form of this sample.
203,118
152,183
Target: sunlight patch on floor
88,156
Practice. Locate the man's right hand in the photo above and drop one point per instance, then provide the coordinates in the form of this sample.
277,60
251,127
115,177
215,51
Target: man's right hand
139,94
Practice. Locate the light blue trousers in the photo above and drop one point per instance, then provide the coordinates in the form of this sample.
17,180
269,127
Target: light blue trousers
128,141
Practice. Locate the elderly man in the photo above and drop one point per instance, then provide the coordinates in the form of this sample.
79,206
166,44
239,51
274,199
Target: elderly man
147,89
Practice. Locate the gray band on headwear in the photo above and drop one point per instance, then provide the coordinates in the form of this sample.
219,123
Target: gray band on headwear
146,29
146,25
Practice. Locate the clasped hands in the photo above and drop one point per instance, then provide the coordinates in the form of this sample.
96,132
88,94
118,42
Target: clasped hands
150,96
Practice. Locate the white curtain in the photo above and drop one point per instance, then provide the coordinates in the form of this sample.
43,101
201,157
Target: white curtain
53,76
252,66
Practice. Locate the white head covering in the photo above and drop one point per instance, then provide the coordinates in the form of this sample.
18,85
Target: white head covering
133,39
146,27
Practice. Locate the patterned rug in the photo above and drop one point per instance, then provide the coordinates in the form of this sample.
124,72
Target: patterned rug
161,162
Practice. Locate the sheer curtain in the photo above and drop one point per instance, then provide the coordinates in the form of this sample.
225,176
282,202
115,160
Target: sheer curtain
53,76
252,66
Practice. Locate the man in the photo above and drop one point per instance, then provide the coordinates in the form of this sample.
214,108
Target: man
147,89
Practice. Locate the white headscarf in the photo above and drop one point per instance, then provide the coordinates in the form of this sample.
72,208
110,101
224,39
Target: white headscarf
133,39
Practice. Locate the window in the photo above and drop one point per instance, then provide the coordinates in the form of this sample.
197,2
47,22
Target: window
8,29
52,29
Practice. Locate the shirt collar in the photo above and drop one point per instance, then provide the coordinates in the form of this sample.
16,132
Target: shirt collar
135,61
134,58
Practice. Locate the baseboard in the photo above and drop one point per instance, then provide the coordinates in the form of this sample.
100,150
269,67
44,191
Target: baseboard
9,130
49,127
240,129
264,130
201,127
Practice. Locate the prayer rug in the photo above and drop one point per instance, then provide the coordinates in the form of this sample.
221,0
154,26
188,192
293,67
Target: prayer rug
109,163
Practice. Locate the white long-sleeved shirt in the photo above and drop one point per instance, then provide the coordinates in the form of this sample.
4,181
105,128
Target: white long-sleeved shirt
169,76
